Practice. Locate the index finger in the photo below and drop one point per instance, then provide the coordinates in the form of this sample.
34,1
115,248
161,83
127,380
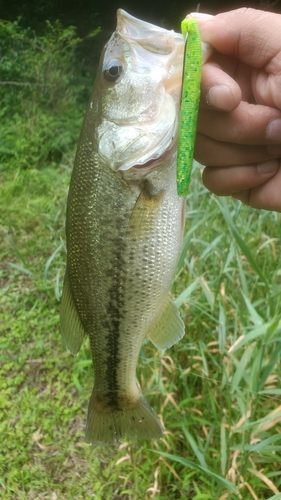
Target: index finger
218,89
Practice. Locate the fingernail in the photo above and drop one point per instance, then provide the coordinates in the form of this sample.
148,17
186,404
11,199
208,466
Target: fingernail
273,130
267,167
220,97
200,15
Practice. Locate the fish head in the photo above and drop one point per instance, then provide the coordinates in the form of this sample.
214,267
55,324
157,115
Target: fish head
137,94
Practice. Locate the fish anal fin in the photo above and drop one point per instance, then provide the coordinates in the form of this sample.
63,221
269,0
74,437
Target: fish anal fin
107,425
72,330
169,327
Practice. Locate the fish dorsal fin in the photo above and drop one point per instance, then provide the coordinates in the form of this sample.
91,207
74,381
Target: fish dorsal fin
72,330
168,328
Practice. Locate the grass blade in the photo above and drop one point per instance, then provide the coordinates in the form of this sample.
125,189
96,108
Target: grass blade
255,317
188,237
50,260
195,448
240,242
188,463
223,448
187,292
241,367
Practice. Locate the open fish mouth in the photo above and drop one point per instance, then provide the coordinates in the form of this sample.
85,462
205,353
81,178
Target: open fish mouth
124,147
148,150
138,113
153,162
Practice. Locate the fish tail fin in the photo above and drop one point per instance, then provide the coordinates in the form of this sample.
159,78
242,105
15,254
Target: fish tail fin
135,420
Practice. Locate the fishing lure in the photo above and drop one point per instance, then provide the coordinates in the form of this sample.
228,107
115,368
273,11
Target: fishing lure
189,103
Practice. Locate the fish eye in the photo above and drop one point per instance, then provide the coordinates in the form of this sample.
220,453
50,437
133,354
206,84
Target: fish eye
113,70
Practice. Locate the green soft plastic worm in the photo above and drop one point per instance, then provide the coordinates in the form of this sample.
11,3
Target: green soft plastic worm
189,103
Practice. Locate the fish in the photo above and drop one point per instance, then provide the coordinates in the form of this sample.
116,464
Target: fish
124,224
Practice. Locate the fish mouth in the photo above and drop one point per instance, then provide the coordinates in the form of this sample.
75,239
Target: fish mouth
153,162
156,154
139,115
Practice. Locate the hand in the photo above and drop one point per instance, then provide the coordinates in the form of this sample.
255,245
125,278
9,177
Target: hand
239,123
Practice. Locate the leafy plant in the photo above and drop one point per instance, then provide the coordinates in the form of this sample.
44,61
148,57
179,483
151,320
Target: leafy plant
44,85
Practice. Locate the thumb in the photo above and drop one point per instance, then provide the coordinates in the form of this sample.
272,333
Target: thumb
250,35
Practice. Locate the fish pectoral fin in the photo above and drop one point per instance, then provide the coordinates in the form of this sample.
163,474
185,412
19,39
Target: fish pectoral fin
72,330
144,217
169,327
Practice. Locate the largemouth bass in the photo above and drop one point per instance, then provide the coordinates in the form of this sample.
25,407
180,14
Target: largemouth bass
125,223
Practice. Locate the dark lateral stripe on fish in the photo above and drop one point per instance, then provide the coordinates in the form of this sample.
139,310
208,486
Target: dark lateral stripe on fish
115,309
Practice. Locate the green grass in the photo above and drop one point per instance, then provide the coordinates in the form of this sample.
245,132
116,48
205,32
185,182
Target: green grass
218,390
